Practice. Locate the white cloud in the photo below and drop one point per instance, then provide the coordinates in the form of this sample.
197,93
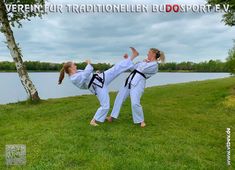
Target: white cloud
106,37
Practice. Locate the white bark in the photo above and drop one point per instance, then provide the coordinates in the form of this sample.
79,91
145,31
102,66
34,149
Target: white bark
16,54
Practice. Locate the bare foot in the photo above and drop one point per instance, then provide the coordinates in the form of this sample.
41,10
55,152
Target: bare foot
93,123
109,118
135,53
142,124
125,56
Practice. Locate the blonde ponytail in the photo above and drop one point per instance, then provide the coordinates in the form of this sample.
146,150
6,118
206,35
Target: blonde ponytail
162,57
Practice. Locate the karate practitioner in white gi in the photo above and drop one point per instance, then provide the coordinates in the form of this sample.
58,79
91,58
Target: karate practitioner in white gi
97,83
135,84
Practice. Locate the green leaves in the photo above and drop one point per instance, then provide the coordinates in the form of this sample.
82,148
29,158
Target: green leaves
229,17
1,29
231,60
15,17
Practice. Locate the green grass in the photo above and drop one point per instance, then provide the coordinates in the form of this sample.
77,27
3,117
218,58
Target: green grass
186,126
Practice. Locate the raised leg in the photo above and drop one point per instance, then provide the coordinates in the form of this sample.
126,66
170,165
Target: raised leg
117,69
120,67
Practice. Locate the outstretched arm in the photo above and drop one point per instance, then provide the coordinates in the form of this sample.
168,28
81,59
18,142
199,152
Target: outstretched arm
88,70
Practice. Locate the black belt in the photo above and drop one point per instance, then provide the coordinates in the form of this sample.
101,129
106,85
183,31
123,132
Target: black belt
97,77
133,73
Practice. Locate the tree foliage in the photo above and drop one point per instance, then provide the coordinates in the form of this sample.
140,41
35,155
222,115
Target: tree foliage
206,66
15,17
231,60
229,17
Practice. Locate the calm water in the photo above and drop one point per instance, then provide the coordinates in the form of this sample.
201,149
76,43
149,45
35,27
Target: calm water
11,89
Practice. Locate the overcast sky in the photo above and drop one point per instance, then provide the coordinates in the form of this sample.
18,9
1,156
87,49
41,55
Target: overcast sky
106,37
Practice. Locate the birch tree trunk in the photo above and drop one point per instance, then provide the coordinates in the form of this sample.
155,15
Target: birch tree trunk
16,54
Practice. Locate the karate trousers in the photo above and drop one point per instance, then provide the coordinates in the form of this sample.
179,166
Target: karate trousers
135,93
103,93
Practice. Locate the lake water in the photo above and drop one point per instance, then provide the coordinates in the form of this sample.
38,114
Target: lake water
12,91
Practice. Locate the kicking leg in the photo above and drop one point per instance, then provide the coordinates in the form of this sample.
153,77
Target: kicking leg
120,67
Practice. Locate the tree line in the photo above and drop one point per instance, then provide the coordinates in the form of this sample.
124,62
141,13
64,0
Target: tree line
10,19
46,66
206,66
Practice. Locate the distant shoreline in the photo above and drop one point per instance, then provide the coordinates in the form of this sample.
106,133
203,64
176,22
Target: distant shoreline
163,71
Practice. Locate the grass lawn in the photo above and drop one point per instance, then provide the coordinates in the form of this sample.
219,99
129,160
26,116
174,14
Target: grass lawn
186,126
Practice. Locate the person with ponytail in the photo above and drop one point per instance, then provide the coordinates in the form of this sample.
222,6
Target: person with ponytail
97,82
135,84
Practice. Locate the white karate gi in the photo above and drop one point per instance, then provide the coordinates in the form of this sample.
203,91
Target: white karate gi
83,77
137,85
